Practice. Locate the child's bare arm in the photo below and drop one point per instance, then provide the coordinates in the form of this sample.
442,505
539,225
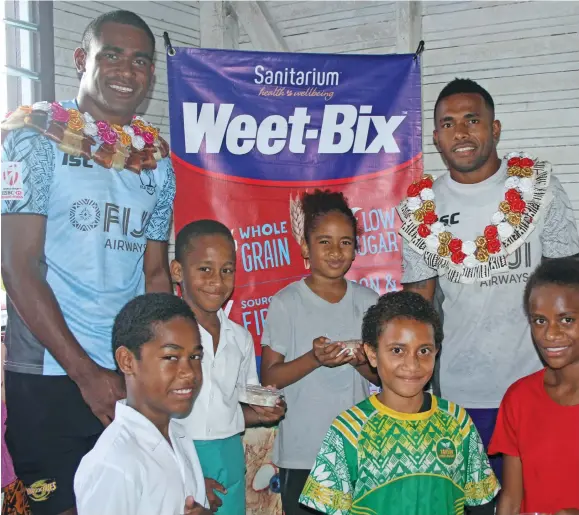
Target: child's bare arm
512,493
368,373
360,363
275,371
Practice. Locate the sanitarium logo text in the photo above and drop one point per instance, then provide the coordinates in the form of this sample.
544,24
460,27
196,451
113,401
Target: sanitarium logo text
293,77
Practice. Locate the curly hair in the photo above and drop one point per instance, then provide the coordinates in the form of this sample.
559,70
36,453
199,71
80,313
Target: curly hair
320,203
193,230
401,304
135,324
558,271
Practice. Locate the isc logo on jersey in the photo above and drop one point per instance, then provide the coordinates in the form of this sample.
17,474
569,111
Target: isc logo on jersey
345,128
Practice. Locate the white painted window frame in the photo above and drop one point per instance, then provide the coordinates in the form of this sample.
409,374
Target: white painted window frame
27,54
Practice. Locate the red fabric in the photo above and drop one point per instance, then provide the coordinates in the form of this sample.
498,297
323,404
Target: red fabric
545,436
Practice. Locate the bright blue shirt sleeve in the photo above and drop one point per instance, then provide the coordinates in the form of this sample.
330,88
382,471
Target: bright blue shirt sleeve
160,222
36,155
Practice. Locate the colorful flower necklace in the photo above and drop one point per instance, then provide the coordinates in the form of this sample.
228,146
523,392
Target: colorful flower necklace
134,147
467,261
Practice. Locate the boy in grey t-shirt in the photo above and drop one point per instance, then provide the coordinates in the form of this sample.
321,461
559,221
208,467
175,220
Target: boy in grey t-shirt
487,343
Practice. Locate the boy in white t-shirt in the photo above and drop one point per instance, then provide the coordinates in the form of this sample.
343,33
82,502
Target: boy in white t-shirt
143,464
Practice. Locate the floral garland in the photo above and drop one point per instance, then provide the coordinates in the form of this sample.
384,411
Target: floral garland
510,225
134,147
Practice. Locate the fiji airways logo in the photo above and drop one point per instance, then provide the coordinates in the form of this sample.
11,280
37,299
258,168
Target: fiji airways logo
116,222
293,77
85,215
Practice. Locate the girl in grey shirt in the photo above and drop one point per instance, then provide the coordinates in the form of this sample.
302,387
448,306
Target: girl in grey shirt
320,379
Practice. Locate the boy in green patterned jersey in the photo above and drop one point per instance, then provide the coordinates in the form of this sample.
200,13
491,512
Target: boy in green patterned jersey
402,451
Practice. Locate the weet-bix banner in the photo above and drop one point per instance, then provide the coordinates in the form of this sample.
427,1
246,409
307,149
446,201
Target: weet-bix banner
250,131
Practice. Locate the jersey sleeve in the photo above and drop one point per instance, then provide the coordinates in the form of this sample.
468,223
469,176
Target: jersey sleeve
414,268
278,329
160,222
330,485
28,161
559,237
505,438
481,485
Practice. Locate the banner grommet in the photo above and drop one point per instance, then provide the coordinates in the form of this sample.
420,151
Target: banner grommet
168,46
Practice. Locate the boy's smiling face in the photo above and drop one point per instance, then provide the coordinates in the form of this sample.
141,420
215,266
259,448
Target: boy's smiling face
166,377
405,361
207,275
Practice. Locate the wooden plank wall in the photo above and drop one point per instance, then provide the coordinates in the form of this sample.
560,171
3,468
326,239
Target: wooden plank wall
333,27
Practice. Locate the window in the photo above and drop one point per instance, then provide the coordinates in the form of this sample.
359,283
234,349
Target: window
26,53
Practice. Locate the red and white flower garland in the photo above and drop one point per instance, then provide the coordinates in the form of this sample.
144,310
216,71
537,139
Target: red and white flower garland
513,220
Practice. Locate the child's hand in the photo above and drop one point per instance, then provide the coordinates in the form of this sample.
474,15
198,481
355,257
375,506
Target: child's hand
269,415
214,501
193,508
360,357
330,354
570,511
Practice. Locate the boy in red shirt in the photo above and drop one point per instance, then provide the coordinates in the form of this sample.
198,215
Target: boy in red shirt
538,423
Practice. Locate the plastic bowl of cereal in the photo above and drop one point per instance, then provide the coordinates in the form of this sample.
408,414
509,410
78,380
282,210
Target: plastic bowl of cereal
258,395
349,345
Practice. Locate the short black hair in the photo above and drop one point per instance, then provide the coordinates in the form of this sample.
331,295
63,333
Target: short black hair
558,271
195,229
322,202
401,304
462,86
135,324
94,28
